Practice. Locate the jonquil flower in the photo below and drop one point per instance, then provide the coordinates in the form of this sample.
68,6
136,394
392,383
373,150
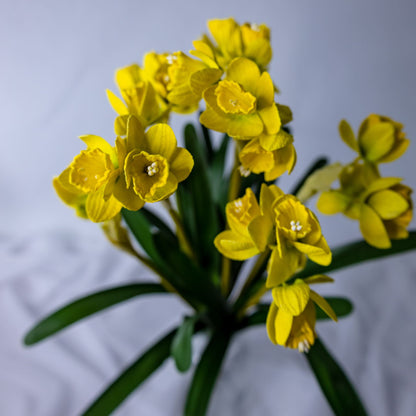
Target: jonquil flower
232,40
292,315
242,105
144,167
380,139
298,234
140,99
271,155
188,78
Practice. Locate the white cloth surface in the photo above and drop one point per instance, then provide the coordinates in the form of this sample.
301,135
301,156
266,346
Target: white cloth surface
332,60
376,344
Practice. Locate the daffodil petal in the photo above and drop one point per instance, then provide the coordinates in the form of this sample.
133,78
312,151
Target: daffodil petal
292,298
282,326
117,103
388,204
347,135
135,134
126,196
379,184
161,140
245,72
260,230
282,268
203,79
265,91
332,202
98,209
181,163
372,228
164,191
318,253
376,141
324,305
235,246
318,278
270,323
271,119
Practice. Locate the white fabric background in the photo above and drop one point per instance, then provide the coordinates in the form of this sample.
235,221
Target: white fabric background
332,60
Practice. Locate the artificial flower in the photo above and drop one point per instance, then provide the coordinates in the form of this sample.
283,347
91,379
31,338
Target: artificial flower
232,40
380,139
242,105
292,315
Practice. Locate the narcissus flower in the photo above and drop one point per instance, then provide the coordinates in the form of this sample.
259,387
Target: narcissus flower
272,155
143,167
188,78
292,315
242,105
280,223
380,139
382,205
232,40
87,183
153,164
251,224
298,234
140,99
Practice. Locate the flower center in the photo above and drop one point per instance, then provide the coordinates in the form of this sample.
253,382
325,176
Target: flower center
232,99
152,169
304,346
295,226
244,171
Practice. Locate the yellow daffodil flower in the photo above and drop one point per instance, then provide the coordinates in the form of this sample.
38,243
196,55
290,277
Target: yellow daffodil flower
87,183
153,164
242,105
298,234
232,40
141,99
251,224
292,315
382,205
380,139
271,155
188,78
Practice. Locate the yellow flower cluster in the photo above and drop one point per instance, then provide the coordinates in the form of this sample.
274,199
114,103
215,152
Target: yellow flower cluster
382,206
291,231
141,167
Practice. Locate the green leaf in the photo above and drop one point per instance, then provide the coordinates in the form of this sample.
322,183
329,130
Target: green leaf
181,349
202,205
206,374
86,306
318,164
161,225
131,378
357,252
335,385
140,227
341,306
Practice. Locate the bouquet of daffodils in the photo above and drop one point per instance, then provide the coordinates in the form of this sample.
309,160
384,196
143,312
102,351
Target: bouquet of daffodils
226,215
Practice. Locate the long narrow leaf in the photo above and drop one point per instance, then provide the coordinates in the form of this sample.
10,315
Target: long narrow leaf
358,252
181,348
206,374
203,206
341,306
87,306
335,385
131,378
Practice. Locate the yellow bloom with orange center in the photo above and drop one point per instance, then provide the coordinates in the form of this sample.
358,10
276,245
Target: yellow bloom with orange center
232,40
380,139
242,105
292,314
